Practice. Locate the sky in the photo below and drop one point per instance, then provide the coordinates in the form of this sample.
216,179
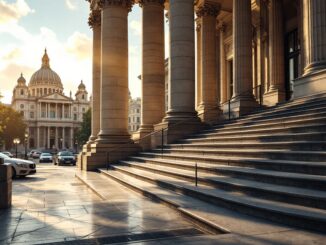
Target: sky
27,27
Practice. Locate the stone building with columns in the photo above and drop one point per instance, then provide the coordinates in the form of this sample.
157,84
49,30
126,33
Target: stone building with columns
247,52
52,118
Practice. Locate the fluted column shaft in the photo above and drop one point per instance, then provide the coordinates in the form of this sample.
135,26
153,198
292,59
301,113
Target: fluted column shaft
314,34
114,72
209,97
95,23
223,80
182,61
242,43
199,62
153,70
276,45
48,135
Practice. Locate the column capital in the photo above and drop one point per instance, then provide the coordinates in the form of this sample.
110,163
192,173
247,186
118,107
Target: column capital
122,3
208,9
94,18
157,2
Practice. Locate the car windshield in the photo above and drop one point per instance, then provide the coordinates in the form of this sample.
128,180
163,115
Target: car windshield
46,154
4,156
65,153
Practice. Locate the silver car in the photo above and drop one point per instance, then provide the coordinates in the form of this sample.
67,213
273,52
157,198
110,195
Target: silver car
19,167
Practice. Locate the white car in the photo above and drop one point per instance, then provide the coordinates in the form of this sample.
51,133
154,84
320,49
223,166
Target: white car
7,153
19,167
46,157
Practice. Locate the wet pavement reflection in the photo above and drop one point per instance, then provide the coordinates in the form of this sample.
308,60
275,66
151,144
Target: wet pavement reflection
53,206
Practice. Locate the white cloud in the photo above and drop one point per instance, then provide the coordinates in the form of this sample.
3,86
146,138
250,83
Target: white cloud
136,27
79,45
71,4
12,12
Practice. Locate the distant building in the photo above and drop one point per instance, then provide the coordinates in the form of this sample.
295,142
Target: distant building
134,114
52,118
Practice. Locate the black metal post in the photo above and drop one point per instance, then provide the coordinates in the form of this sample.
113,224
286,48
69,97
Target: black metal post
16,150
196,174
261,95
162,142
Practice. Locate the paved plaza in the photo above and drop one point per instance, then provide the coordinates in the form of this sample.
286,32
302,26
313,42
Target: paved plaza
54,206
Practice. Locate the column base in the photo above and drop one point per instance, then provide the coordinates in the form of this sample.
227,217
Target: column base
273,97
210,114
144,139
171,132
100,155
240,106
312,83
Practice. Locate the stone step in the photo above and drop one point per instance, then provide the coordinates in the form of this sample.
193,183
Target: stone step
277,154
319,118
320,127
290,145
280,111
304,217
306,181
313,168
300,196
262,137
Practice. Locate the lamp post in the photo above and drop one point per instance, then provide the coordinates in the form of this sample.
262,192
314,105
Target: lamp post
16,142
61,143
26,141
76,145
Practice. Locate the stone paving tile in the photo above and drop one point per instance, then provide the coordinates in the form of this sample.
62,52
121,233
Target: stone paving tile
53,206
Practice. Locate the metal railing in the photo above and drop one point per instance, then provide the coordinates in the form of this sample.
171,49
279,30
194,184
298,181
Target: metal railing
259,88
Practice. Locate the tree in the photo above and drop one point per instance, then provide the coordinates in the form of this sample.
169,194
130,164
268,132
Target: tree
84,132
12,126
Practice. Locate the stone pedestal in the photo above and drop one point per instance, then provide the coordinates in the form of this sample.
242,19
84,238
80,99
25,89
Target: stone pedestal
101,155
5,186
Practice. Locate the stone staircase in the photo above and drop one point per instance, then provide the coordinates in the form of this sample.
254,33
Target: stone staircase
270,164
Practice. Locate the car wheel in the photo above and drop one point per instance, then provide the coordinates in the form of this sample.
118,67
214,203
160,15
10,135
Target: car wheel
13,174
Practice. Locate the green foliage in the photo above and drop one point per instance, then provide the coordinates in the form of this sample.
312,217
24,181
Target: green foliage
12,126
85,131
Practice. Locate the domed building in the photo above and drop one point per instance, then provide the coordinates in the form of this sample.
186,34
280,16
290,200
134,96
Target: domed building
51,116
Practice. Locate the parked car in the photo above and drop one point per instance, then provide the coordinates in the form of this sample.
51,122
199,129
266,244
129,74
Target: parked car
7,153
19,167
36,154
65,157
46,157
30,154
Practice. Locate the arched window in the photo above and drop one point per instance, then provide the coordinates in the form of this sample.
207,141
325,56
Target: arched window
22,92
83,96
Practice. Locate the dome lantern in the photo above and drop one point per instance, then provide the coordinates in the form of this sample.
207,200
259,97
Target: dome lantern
21,80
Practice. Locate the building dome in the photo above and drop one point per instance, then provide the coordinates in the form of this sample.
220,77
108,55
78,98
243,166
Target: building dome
81,86
46,77
21,80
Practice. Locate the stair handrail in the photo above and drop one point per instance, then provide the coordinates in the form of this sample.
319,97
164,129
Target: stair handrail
182,122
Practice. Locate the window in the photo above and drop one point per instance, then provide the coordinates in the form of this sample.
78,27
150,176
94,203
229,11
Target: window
31,114
22,113
138,119
83,97
75,109
22,92
21,106
75,117
32,107
83,109
137,110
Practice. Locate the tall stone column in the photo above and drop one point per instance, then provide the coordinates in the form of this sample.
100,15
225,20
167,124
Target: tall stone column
114,72
113,140
63,138
209,110
276,92
153,70
182,62
199,62
181,105
223,79
38,137
56,137
314,48
71,138
314,28
95,23
243,100
48,138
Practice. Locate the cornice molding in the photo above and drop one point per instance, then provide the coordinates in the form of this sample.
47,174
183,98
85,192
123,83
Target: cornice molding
121,3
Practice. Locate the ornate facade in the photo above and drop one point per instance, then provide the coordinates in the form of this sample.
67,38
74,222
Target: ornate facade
52,118
248,52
